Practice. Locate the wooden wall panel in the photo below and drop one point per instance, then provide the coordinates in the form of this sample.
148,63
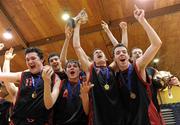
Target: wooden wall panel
38,19
164,3
4,25
166,27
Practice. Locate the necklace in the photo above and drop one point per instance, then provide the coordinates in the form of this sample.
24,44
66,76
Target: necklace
131,93
34,86
73,91
105,72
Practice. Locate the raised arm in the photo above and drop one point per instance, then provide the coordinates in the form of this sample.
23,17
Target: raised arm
109,33
11,88
1,47
124,39
154,39
7,58
63,55
50,97
7,76
123,26
79,51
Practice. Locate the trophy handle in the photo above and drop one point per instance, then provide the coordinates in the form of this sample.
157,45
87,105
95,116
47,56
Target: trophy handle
71,23
82,16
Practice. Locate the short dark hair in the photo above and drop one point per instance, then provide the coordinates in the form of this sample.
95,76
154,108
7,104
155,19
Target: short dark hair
134,49
94,51
118,45
52,55
36,50
72,61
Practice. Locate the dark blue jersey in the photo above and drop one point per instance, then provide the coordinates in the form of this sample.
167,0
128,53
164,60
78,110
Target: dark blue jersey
68,109
29,107
140,108
4,112
137,107
105,100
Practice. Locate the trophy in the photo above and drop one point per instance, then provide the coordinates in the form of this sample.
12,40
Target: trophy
164,77
82,16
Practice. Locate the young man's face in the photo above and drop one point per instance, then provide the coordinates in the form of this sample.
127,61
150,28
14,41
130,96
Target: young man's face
98,56
136,53
72,70
55,63
33,62
121,56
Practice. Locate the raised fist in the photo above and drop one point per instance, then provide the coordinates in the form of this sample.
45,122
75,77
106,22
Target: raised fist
123,25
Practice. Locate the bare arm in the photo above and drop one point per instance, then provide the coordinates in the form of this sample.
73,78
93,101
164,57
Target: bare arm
63,55
8,76
1,47
124,39
79,51
50,97
11,88
155,41
109,33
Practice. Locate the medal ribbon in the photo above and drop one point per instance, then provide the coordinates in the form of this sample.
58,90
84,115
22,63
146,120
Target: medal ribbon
70,89
129,78
107,74
35,83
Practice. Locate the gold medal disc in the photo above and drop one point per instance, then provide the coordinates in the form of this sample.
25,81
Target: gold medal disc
132,95
34,95
106,87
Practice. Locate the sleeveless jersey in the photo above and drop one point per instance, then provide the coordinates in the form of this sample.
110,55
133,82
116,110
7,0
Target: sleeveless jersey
105,100
139,110
30,109
68,109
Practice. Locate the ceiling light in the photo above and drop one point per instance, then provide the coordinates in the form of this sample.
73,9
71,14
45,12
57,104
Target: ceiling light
65,16
7,35
156,60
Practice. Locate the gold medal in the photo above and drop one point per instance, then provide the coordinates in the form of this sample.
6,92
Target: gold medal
106,86
34,95
132,95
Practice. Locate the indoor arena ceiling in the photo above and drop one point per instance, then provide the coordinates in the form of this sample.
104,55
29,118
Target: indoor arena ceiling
38,23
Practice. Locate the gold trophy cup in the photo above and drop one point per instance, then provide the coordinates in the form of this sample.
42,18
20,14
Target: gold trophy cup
82,16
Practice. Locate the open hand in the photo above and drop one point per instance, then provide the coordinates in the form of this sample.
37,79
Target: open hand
47,73
85,87
9,54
